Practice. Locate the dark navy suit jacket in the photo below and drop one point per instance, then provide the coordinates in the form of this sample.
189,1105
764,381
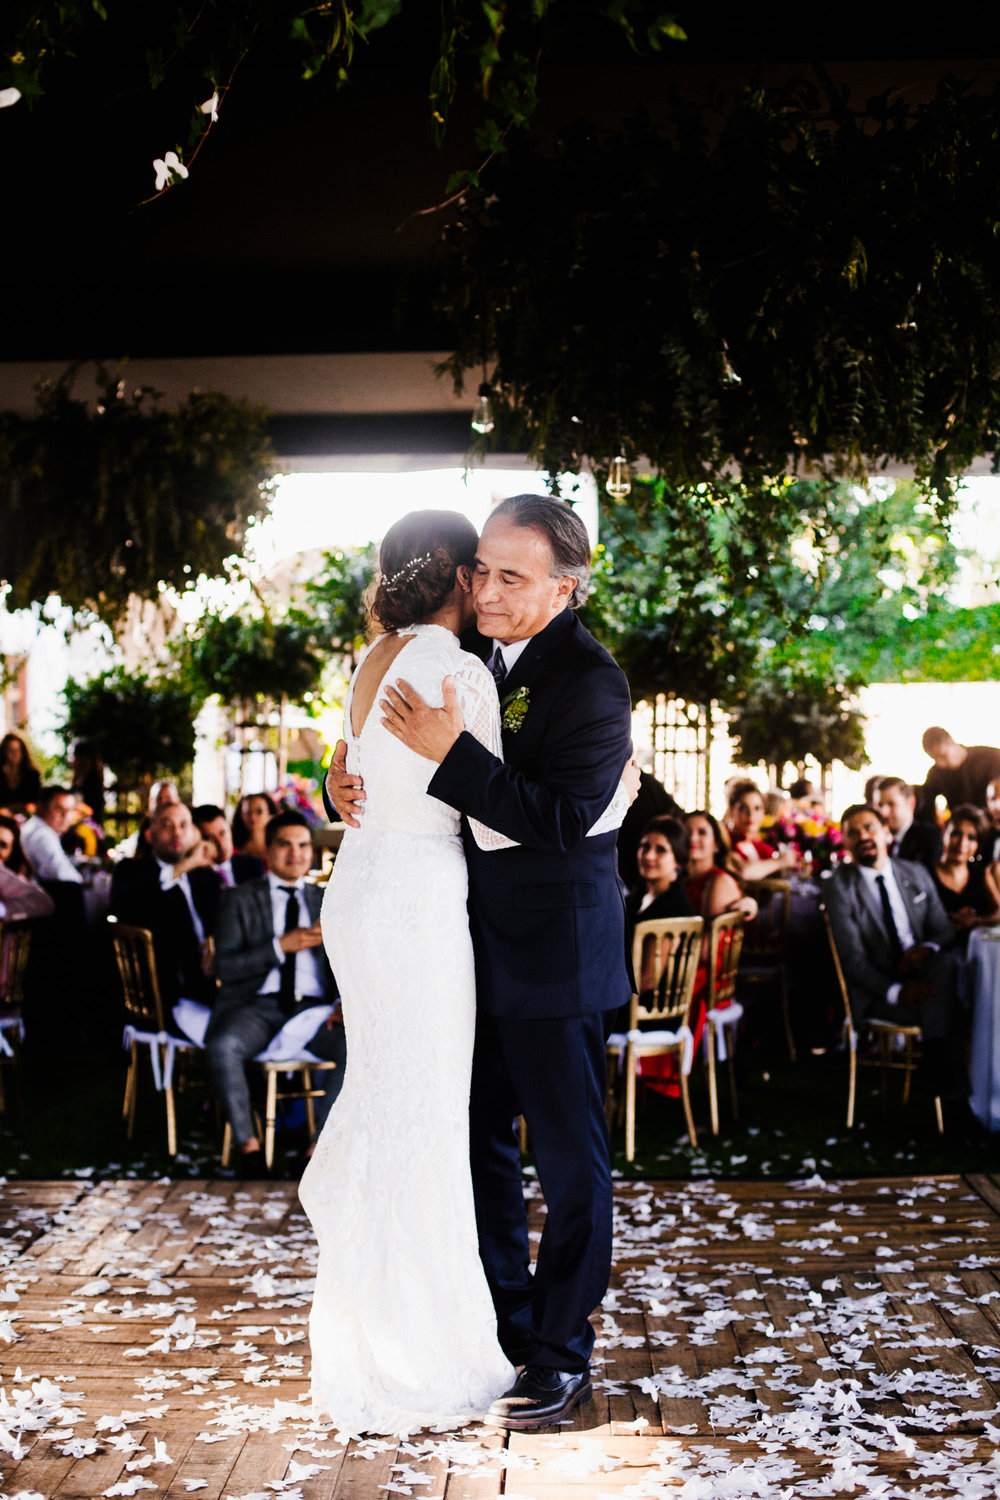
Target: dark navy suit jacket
547,917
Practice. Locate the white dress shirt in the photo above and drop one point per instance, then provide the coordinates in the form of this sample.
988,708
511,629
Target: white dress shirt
49,859
308,974
510,654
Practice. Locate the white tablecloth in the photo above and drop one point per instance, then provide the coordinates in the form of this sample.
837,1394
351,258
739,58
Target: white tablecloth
984,1060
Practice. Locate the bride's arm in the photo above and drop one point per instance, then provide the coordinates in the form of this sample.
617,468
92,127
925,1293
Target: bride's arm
477,698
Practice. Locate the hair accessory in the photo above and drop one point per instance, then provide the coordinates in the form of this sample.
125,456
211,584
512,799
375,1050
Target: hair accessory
406,573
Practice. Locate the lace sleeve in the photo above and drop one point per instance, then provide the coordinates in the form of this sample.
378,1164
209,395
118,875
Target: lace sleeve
477,698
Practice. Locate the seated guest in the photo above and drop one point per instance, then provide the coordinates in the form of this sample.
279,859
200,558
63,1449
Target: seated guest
41,836
20,779
710,883
249,822
989,847
892,935
22,899
918,842
661,859
652,801
88,777
233,869
174,893
271,966
11,853
757,859
963,882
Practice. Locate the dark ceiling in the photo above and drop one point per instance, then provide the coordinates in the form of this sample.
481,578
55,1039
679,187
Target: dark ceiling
296,231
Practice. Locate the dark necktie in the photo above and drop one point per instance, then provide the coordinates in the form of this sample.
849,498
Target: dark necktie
286,987
499,668
892,930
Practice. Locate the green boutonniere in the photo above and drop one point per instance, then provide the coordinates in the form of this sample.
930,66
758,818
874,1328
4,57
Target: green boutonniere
514,708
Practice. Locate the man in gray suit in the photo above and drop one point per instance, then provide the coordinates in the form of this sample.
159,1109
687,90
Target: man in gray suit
893,937
271,965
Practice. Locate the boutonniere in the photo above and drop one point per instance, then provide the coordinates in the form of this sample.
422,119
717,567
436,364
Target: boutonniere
514,708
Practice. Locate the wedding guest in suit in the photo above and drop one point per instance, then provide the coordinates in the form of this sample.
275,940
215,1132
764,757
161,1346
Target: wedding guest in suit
271,966
963,881
174,893
961,773
894,940
919,843
232,868
249,822
20,779
41,836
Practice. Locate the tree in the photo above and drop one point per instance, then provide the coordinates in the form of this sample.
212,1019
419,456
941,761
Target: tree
788,281
334,599
120,499
143,724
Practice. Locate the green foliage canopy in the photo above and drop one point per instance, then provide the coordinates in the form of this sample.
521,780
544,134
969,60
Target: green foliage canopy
243,657
788,279
124,498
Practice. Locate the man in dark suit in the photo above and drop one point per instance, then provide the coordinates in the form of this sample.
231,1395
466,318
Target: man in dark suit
175,894
893,937
960,774
918,843
547,921
271,966
232,868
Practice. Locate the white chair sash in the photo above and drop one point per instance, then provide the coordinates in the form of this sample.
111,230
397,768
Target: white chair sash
719,1019
683,1038
10,1023
163,1077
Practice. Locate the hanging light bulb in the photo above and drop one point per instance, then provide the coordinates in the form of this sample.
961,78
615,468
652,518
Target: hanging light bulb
619,478
482,412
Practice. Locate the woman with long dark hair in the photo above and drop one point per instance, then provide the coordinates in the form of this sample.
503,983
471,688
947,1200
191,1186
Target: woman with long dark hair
20,778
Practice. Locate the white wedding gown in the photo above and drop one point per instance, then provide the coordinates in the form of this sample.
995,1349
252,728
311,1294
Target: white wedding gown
402,1328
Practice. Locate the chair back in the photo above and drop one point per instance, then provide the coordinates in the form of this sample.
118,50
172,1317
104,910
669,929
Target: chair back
15,940
838,970
725,943
665,957
133,948
764,937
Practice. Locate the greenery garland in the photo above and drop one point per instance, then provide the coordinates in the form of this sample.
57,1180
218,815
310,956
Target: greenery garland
789,281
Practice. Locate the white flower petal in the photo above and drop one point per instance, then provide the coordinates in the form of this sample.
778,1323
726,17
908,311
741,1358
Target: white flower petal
9,97
211,106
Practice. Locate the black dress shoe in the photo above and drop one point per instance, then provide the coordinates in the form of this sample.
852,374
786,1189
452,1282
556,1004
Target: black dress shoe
539,1397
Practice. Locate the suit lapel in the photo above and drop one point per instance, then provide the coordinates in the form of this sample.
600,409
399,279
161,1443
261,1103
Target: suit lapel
533,657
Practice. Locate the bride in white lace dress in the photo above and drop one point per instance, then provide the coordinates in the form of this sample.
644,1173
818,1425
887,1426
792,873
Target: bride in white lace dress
403,1329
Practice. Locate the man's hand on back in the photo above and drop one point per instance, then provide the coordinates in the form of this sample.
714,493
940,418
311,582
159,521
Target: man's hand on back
346,792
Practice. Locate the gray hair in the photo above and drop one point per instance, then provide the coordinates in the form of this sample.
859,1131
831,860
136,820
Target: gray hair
563,530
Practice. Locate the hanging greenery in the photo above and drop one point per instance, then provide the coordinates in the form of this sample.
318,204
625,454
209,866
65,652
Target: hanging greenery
334,599
143,724
786,281
120,498
242,658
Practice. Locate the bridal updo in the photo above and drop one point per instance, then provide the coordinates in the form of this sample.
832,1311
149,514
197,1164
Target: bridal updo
417,562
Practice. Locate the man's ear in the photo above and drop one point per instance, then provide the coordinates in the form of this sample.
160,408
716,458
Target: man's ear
565,587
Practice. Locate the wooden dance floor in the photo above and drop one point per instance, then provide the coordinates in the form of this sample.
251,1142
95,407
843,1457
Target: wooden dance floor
761,1340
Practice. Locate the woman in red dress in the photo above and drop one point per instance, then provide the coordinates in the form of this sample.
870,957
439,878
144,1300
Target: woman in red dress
758,859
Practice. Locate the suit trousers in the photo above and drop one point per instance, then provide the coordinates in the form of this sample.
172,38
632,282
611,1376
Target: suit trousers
552,1071
237,1032
938,1016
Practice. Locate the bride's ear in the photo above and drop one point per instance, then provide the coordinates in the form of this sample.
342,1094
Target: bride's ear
463,575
